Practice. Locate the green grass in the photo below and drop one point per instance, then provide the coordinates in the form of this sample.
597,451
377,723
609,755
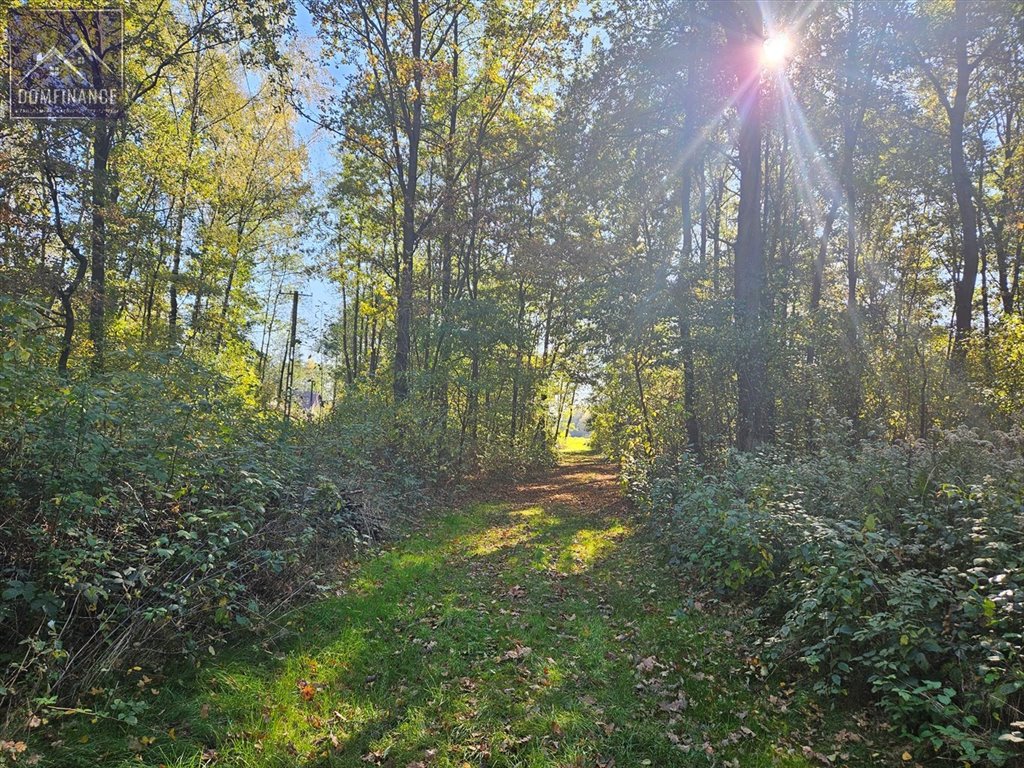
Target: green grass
423,660
574,445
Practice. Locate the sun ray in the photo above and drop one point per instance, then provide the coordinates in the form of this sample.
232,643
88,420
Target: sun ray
704,134
815,167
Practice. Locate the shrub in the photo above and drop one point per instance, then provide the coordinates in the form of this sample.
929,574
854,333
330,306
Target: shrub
155,508
514,459
889,570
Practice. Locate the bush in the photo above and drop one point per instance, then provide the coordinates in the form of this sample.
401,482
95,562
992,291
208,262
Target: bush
515,459
156,508
894,571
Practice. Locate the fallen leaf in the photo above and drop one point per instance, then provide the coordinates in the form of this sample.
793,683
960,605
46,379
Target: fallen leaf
517,652
677,705
647,665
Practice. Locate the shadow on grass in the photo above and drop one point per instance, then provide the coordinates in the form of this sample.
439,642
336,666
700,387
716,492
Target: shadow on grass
509,635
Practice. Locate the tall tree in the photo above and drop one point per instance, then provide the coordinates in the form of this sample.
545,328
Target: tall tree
970,33
745,33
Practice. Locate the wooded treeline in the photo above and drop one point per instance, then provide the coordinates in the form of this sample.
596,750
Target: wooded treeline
804,292
519,192
832,239
150,225
836,238
769,265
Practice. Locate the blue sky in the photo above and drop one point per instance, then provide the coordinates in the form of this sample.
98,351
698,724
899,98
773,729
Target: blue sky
321,304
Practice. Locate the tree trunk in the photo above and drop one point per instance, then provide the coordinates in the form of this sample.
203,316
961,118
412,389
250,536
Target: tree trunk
225,305
193,122
752,426
642,398
520,314
405,292
683,312
449,172
963,290
102,145
572,406
818,279
355,331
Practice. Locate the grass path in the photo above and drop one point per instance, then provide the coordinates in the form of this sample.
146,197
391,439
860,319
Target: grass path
532,627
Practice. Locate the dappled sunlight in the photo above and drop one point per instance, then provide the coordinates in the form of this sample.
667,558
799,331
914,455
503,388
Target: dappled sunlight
584,477
527,512
497,538
588,546
493,639
405,566
348,643
539,518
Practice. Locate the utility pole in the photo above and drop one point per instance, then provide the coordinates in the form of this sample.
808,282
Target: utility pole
285,383
291,357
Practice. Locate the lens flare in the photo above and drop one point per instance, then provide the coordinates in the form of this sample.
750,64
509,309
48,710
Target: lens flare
776,51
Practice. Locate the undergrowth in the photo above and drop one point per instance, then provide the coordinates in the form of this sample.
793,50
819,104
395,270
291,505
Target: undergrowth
891,573
155,509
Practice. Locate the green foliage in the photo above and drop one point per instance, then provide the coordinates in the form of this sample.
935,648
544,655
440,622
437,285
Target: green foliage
1001,357
155,508
891,571
515,459
442,652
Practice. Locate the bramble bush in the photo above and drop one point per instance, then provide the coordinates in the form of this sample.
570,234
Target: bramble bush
154,509
501,458
892,571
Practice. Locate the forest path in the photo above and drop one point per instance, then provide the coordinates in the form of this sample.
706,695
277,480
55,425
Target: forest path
534,626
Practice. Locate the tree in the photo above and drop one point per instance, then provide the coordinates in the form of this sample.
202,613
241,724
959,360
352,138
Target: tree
412,106
745,34
971,33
